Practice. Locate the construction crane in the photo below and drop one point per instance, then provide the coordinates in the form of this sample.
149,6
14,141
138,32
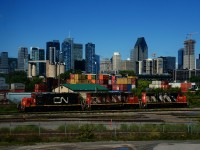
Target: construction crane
153,55
189,35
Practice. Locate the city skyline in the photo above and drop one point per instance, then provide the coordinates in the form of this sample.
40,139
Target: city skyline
111,25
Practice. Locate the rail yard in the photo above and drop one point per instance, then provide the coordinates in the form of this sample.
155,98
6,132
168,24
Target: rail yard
160,116
94,112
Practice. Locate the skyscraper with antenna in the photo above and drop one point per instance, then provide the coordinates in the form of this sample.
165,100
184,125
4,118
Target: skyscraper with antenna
71,52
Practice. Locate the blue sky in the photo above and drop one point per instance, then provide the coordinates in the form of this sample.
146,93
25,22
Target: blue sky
112,25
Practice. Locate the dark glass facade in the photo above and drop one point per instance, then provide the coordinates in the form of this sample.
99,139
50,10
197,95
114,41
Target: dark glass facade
4,62
12,64
97,66
22,58
42,66
180,58
90,58
77,51
169,64
38,54
67,46
79,65
140,52
56,44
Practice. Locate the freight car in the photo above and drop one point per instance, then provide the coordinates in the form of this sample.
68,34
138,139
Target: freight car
111,100
163,100
100,101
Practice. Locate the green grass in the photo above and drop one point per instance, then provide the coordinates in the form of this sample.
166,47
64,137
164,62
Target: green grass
29,134
8,108
77,128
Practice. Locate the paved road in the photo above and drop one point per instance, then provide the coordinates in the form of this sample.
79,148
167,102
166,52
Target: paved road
135,145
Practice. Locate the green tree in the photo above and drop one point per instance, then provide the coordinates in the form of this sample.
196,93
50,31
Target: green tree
16,77
137,92
127,73
195,79
30,84
143,84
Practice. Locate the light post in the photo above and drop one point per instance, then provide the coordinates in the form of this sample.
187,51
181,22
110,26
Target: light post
60,54
96,71
59,76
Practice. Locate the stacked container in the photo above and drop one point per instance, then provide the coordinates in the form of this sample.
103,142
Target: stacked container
77,79
113,80
175,85
159,84
155,84
103,79
91,78
116,83
124,84
40,87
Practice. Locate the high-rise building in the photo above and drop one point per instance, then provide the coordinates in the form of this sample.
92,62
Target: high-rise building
127,65
140,52
97,62
42,66
157,66
79,65
77,52
12,63
169,64
139,67
52,55
180,58
71,52
189,54
90,58
116,62
56,45
67,56
105,65
4,62
23,59
38,54
34,53
198,62
147,66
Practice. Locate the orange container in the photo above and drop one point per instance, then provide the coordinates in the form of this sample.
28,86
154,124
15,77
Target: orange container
93,81
89,76
72,76
115,87
133,81
103,76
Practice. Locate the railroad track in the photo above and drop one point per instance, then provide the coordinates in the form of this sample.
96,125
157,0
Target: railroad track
148,115
103,111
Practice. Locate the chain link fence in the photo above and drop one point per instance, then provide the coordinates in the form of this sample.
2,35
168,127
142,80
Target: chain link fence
111,127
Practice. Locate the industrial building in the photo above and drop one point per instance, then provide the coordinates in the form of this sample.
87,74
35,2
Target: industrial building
52,70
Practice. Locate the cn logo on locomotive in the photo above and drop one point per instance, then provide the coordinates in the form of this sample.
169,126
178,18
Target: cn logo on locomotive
59,100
